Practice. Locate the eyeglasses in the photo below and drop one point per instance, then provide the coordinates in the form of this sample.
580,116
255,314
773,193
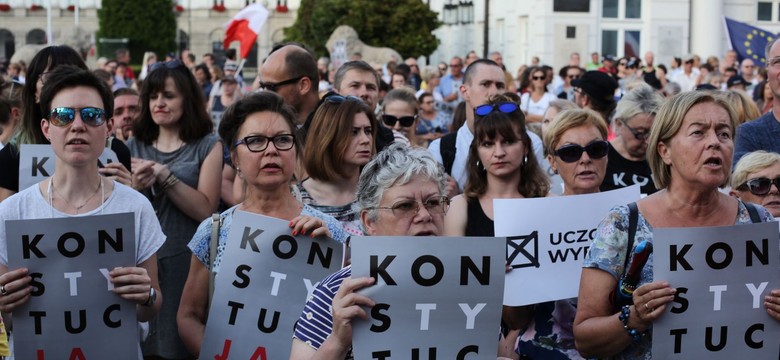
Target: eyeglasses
760,186
455,65
573,76
405,121
273,87
64,116
410,207
258,143
504,107
537,78
622,63
640,135
173,64
573,152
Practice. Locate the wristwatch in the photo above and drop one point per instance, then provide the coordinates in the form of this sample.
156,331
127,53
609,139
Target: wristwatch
152,297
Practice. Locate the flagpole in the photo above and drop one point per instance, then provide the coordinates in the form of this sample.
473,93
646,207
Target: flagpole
49,36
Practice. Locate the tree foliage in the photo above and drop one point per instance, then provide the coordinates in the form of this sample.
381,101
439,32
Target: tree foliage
150,25
404,25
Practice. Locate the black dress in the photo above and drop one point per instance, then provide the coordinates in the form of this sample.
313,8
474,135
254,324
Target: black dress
477,223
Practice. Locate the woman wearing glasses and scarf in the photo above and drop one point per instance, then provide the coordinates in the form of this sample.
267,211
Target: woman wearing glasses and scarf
756,179
345,130
690,149
177,164
78,107
400,193
260,129
627,163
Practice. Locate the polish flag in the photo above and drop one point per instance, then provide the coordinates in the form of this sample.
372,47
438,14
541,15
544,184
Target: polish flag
245,26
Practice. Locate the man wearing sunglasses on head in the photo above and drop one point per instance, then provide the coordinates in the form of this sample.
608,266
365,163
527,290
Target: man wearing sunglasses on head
482,79
756,179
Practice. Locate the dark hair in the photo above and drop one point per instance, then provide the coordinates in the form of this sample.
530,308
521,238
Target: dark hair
50,58
103,75
125,91
533,180
235,115
324,154
359,65
423,95
205,69
299,62
69,76
473,68
194,123
458,117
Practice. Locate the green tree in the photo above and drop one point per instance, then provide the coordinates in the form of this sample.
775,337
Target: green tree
404,25
150,25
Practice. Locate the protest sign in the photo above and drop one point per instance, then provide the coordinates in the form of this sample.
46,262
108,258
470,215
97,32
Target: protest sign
72,313
436,297
36,162
265,277
547,240
722,275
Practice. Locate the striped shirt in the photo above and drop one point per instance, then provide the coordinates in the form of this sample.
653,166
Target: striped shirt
316,321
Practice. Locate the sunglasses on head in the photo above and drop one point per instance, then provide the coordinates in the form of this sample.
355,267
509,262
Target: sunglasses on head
64,116
760,186
173,64
405,121
573,152
338,99
504,107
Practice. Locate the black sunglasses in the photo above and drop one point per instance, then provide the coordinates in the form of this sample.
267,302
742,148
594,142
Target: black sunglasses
173,64
64,116
573,152
273,87
537,77
504,107
760,186
405,121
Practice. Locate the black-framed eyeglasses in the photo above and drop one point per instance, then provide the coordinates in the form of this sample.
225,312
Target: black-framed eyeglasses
504,107
64,116
573,152
639,134
410,207
405,121
258,143
760,186
273,87
173,64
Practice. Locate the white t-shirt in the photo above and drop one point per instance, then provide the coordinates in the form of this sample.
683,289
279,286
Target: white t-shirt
528,105
31,204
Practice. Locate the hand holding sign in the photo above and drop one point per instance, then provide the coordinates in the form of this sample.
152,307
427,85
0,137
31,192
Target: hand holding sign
347,305
131,283
772,304
650,302
304,224
117,171
17,288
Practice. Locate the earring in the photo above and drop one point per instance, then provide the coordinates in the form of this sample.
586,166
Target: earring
479,166
525,160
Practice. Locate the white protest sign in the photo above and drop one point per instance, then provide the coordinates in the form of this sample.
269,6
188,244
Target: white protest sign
265,278
547,240
438,297
36,162
72,313
722,275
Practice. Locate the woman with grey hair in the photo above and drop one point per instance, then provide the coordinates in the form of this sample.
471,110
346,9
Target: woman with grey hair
626,162
401,192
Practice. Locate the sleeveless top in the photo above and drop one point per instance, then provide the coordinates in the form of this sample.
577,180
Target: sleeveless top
217,108
477,223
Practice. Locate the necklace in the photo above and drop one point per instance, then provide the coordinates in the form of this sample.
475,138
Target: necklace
78,208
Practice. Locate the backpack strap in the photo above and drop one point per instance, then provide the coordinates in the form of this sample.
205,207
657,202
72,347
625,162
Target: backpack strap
754,217
216,222
447,149
633,218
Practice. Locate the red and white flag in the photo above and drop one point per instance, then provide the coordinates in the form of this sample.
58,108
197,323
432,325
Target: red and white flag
245,26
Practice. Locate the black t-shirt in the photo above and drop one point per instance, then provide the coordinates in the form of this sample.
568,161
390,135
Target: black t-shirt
9,163
622,172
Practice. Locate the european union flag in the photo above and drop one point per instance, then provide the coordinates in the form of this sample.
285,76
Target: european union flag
749,41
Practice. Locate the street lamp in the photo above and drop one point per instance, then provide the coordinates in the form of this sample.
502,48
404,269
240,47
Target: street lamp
450,13
466,12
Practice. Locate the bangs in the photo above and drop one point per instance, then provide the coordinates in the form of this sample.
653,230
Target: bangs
497,123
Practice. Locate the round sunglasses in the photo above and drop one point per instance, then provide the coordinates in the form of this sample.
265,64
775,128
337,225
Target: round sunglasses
405,121
760,186
64,116
573,152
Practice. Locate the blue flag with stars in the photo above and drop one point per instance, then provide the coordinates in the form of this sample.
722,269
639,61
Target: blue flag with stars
748,41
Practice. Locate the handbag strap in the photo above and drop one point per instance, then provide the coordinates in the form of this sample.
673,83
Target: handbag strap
216,222
633,218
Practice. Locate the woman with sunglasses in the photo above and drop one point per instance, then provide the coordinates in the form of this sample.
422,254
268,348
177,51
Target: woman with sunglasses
627,156
756,179
79,106
399,113
29,131
690,149
346,129
535,101
177,163
260,129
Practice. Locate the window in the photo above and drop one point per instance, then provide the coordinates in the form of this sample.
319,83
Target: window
571,5
631,44
610,9
764,11
571,32
633,9
609,42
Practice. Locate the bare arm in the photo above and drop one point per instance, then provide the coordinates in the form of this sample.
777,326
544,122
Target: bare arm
5,193
227,193
198,203
456,218
191,316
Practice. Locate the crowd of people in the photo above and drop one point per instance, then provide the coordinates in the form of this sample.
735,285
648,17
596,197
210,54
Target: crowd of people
387,150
